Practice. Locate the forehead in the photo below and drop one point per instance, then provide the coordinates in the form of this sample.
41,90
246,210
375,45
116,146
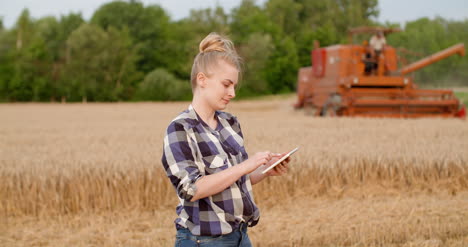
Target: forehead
224,70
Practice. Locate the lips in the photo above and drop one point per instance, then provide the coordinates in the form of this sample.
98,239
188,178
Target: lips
226,101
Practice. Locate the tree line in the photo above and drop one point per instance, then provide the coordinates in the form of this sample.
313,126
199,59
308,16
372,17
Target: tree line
129,51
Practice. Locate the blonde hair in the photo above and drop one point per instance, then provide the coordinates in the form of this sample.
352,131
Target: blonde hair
213,48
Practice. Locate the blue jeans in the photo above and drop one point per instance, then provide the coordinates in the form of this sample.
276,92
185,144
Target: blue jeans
237,238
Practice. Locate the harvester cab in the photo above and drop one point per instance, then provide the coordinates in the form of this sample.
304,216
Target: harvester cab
379,61
355,80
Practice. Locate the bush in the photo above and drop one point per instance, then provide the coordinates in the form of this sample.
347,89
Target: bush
161,85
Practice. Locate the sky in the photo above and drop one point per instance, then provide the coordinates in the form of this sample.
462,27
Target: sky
399,11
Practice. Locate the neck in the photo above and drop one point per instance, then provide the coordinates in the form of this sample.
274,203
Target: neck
203,109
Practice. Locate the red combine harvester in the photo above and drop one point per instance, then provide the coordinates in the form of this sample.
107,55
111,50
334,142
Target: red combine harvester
339,84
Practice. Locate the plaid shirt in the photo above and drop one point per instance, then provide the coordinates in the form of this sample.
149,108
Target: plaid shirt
192,150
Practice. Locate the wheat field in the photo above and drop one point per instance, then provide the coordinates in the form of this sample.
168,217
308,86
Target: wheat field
90,175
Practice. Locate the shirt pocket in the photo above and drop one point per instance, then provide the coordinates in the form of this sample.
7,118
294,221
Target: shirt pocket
215,162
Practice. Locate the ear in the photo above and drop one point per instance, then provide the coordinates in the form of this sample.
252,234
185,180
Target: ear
201,79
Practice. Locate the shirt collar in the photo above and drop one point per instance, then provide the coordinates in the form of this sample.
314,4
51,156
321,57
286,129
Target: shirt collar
194,119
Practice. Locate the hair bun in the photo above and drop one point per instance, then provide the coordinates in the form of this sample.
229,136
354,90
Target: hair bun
216,42
213,48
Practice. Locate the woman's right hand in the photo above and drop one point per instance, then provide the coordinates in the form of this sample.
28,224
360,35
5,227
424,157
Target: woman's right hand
257,160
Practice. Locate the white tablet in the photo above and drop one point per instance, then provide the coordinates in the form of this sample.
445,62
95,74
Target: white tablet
280,160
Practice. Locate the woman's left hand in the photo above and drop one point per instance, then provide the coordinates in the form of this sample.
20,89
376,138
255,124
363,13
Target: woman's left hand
280,169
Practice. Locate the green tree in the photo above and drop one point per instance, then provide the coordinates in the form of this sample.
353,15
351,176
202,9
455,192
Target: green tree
101,65
186,34
56,40
255,52
106,60
427,36
285,15
29,71
336,14
249,18
283,66
254,32
148,28
164,86
209,20
20,85
7,63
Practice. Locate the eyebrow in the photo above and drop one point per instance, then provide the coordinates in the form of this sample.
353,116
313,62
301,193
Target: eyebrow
230,81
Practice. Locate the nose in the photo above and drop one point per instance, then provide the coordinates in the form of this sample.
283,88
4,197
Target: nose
231,92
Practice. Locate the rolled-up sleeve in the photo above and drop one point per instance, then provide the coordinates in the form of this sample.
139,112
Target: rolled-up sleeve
179,162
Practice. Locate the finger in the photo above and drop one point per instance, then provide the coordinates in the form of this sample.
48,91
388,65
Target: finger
284,168
276,170
279,168
265,154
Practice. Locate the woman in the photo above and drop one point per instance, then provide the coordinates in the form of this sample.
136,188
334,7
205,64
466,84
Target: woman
205,158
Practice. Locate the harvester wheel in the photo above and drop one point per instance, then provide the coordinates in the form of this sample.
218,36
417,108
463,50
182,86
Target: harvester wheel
331,106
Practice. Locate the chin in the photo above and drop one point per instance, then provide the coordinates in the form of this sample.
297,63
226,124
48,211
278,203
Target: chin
218,107
222,107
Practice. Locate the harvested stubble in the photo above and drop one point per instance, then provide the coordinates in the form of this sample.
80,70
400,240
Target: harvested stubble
93,159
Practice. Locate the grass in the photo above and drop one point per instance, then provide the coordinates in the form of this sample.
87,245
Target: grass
90,175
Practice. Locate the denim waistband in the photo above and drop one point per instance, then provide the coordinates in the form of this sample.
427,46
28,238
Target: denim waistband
242,227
